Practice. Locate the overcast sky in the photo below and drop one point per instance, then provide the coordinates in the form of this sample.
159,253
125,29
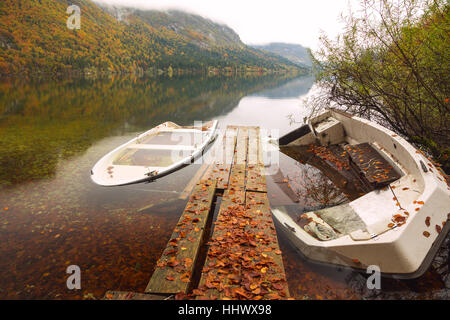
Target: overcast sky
263,21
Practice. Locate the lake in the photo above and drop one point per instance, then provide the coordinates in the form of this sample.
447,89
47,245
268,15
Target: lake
51,215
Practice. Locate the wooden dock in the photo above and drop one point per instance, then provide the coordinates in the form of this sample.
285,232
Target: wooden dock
235,257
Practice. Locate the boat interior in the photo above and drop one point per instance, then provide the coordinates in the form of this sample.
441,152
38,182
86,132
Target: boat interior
161,148
359,168
154,153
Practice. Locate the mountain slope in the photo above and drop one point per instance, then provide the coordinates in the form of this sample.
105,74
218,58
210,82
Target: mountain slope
203,32
294,52
34,38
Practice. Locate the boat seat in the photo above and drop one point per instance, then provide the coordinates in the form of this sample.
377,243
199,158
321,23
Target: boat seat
371,165
329,131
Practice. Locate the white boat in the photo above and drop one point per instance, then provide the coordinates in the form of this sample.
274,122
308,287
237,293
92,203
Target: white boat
153,154
397,225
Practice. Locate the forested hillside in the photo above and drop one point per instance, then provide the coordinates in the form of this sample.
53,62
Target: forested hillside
293,52
34,38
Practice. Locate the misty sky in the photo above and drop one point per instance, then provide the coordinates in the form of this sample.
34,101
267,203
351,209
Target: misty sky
263,21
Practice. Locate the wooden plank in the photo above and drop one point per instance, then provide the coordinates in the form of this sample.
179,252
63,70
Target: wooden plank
220,170
125,295
215,282
175,267
238,169
253,134
237,176
256,180
230,144
262,225
243,260
260,148
241,146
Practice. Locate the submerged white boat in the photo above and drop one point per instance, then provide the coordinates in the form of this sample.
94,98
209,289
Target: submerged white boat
397,224
153,154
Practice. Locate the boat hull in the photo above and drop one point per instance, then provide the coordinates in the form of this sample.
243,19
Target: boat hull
421,195
110,171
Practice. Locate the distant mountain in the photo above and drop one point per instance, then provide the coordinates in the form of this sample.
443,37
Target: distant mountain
294,52
34,38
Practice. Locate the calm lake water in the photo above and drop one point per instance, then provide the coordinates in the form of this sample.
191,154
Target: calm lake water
51,215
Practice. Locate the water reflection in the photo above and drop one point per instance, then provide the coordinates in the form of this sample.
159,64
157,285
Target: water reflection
42,122
288,89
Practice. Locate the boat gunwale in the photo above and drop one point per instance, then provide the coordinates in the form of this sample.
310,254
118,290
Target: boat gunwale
211,125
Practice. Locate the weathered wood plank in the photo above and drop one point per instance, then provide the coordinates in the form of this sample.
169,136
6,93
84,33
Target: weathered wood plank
221,168
215,281
256,180
174,269
244,260
262,225
217,156
125,295
253,135
241,146
237,176
260,148
230,144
